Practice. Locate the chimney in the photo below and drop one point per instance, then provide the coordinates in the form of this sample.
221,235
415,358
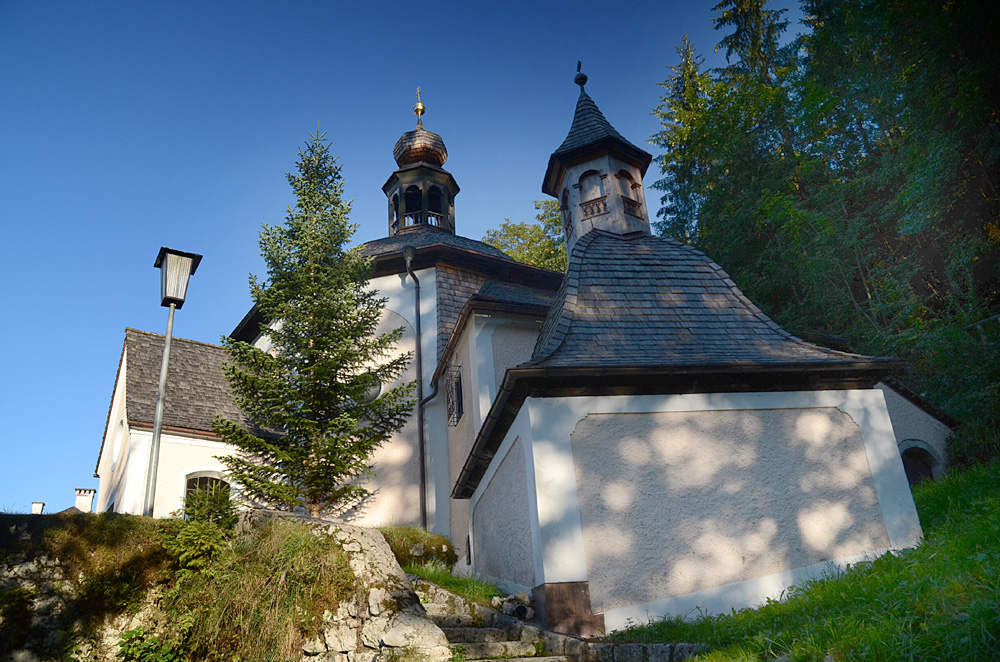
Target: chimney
37,507
84,499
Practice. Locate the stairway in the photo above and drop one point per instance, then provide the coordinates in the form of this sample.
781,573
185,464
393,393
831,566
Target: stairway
476,632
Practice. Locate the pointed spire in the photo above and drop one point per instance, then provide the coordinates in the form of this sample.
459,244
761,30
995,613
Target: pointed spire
590,132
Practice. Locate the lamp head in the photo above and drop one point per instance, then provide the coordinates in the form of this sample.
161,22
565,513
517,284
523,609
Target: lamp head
175,269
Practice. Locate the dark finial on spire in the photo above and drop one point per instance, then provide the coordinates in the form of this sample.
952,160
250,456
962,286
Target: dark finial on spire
580,78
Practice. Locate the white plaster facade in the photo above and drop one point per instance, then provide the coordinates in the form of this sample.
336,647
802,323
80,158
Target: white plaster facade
665,504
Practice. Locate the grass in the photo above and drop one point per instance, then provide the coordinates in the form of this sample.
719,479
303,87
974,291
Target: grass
412,545
471,588
940,601
261,596
431,557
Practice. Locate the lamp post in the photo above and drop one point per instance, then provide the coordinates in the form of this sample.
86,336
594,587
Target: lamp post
176,267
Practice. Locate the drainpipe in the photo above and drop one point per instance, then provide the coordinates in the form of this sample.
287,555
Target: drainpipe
409,252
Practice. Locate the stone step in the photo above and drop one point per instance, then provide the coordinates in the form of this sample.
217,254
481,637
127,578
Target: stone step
435,609
451,620
496,649
474,635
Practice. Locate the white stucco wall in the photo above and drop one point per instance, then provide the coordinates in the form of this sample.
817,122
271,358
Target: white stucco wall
572,502
181,456
513,344
916,428
503,529
111,465
673,503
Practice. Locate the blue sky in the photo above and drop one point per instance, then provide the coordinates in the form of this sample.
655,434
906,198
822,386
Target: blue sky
126,126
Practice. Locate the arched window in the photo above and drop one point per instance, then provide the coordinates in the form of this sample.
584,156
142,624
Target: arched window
435,206
205,480
630,197
626,184
918,464
592,199
395,212
413,201
591,186
920,461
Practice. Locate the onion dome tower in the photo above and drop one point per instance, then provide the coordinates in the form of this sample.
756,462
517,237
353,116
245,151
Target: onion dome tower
420,191
596,174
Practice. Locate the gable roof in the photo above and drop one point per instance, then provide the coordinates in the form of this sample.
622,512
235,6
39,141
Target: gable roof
496,297
197,389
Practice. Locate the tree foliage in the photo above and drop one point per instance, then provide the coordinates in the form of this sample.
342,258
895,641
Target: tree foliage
848,180
314,422
541,243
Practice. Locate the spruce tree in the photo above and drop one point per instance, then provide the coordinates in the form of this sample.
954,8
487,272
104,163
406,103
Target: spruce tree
312,401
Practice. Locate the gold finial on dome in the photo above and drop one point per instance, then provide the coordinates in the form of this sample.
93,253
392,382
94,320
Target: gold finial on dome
418,108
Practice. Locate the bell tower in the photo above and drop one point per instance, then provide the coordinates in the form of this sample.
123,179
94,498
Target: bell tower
420,191
596,174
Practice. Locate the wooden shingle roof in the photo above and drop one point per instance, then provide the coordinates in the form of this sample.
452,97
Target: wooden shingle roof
197,389
640,300
589,135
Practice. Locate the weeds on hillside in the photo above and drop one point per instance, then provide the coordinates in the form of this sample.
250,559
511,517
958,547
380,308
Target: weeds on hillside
262,595
938,601
472,588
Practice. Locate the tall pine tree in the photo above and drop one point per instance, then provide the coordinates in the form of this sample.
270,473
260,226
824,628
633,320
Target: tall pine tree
313,400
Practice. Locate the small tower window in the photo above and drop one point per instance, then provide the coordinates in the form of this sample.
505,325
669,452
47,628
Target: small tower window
592,199
567,216
435,206
413,204
626,183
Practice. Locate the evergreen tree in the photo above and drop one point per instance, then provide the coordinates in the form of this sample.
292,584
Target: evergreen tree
313,401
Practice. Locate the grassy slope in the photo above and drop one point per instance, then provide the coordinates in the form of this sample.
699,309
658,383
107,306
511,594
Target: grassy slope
940,601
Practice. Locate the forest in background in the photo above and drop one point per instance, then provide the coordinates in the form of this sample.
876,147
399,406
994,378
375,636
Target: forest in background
848,181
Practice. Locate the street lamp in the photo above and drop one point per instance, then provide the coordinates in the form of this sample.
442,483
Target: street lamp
176,267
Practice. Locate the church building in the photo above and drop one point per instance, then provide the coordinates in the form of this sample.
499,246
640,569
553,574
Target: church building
631,439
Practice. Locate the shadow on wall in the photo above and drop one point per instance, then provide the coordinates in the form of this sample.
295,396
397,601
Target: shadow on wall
673,503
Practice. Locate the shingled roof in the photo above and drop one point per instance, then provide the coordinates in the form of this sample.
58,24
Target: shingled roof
197,389
640,300
420,236
589,133
638,314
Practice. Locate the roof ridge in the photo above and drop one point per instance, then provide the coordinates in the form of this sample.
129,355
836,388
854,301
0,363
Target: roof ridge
172,338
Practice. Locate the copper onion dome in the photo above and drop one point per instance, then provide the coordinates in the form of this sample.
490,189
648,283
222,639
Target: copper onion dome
420,144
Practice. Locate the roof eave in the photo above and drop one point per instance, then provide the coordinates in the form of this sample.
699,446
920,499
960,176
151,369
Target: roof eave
612,145
521,382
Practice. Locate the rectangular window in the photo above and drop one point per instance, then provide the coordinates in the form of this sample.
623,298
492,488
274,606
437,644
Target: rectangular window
456,403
